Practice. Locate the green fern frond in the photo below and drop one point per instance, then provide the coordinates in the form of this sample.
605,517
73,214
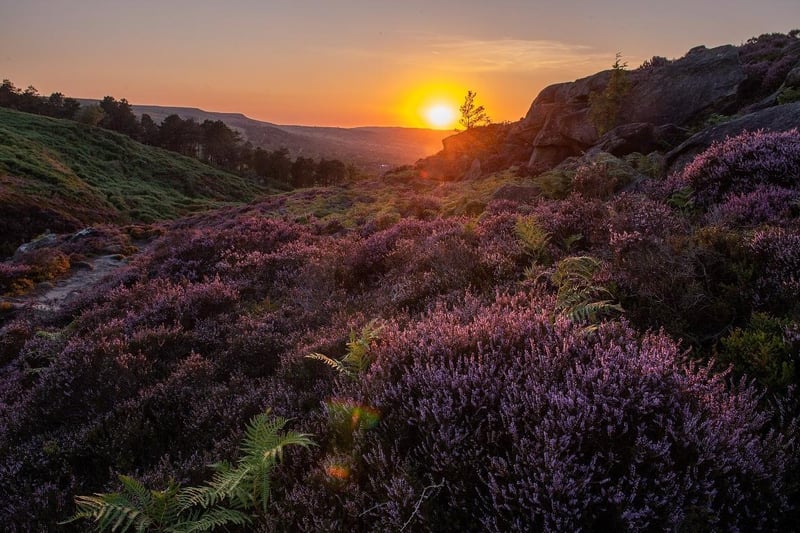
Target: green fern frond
333,363
357,359
579,268
592,311
208,520
579,297
682,200
110,512
192,509
533,238
247,485
571,240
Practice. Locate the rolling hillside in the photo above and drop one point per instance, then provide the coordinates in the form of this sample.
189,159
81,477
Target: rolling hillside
59,175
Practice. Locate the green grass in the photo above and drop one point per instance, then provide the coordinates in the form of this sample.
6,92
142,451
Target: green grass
81,174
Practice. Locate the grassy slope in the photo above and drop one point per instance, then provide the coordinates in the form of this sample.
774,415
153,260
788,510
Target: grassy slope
58,174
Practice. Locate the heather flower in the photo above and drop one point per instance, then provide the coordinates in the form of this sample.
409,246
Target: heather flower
740,164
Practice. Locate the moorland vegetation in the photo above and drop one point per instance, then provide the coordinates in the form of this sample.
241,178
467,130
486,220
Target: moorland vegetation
611,345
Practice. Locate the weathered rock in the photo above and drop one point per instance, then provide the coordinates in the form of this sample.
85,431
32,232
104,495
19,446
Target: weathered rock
793,78
703,81
675,93
664,100
45,241
639,137
778,118
468,154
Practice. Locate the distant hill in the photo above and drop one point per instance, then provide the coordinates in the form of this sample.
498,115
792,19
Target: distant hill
371,148
61,175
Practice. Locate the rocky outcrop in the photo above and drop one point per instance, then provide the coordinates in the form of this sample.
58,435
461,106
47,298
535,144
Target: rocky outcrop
469,154
778,118
560,118
665,101
674,93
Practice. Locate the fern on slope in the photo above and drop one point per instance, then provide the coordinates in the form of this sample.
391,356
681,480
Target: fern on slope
579,297
357,358
175,509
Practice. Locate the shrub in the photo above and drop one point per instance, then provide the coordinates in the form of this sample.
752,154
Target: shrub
766,60
245,486
602,175
764,204
741,164
654,63
528,423
777,255
765,350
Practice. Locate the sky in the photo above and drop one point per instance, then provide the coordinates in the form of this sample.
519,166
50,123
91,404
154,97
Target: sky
352,62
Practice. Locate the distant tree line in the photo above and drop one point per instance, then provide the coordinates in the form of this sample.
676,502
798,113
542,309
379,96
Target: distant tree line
211,141
30,101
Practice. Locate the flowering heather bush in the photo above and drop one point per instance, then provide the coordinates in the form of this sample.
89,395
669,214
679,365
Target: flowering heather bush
777,254
495,417
765,204
767,59
575,215
741,164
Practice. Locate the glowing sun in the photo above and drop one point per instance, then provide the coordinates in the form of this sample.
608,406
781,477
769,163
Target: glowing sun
440,116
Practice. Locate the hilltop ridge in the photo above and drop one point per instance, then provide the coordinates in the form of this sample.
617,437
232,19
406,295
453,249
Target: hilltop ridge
374,149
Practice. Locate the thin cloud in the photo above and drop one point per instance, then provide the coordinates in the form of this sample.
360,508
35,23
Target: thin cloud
517,55
478,55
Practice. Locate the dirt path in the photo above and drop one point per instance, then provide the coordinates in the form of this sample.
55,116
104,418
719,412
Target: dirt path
83,277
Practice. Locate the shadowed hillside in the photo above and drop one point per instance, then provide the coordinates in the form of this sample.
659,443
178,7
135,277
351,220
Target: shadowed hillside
59,175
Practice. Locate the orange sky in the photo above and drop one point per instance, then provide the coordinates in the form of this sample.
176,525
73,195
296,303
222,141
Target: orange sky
350,62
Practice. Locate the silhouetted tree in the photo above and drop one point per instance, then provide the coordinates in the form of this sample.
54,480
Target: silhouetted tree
275,165
280,165
605,106
330,172
30,101
219,144
119,117
303,171
91,115
63,107
149,128
178,135
245,157
9,95
471,114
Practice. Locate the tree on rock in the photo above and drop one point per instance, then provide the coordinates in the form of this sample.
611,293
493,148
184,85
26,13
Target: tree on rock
605,106
471,114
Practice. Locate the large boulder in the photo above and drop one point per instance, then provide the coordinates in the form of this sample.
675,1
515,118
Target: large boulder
778,118
560,118
703,81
